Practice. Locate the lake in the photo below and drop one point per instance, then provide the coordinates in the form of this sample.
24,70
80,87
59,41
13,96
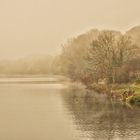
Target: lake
49,109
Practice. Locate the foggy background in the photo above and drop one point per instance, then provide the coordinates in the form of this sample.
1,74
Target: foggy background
39,27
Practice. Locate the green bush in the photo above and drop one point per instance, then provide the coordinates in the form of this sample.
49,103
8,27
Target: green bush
134,100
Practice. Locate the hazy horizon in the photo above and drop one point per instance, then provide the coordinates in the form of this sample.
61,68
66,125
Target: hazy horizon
33,27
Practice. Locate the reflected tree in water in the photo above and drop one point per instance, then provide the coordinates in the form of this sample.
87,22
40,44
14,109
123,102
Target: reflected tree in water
99,118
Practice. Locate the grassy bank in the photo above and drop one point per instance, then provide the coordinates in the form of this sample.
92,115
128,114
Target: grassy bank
126,93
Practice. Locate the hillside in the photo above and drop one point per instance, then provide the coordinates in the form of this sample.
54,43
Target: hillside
135,34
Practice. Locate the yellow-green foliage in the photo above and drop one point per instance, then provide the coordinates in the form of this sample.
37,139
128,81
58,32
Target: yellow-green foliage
134,100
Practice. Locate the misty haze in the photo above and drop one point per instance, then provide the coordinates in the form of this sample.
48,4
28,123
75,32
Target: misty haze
69,70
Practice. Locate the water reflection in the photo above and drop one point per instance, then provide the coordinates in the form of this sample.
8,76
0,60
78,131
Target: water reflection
33,112
100,119
56,112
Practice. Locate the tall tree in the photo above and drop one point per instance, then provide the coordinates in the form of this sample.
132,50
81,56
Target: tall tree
109,52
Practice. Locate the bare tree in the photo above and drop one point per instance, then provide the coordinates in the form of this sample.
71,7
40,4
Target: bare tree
110,51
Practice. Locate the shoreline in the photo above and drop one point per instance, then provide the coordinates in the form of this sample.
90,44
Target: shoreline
125,93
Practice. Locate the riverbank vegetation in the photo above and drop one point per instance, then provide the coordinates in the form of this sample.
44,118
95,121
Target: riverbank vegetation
106,61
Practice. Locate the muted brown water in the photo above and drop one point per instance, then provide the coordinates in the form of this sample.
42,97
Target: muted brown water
55,111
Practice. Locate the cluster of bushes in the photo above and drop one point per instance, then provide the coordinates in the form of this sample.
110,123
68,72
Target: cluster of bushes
101,55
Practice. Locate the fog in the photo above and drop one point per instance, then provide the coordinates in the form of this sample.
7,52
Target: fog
32,27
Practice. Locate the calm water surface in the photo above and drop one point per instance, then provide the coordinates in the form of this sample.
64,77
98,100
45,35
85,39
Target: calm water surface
54,111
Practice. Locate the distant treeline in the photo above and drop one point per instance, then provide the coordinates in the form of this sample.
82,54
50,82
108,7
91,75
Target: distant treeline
29,65
97,55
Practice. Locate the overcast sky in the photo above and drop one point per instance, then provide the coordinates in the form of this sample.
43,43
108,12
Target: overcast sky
30,27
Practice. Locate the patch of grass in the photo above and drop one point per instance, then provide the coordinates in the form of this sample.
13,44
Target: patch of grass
137,90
